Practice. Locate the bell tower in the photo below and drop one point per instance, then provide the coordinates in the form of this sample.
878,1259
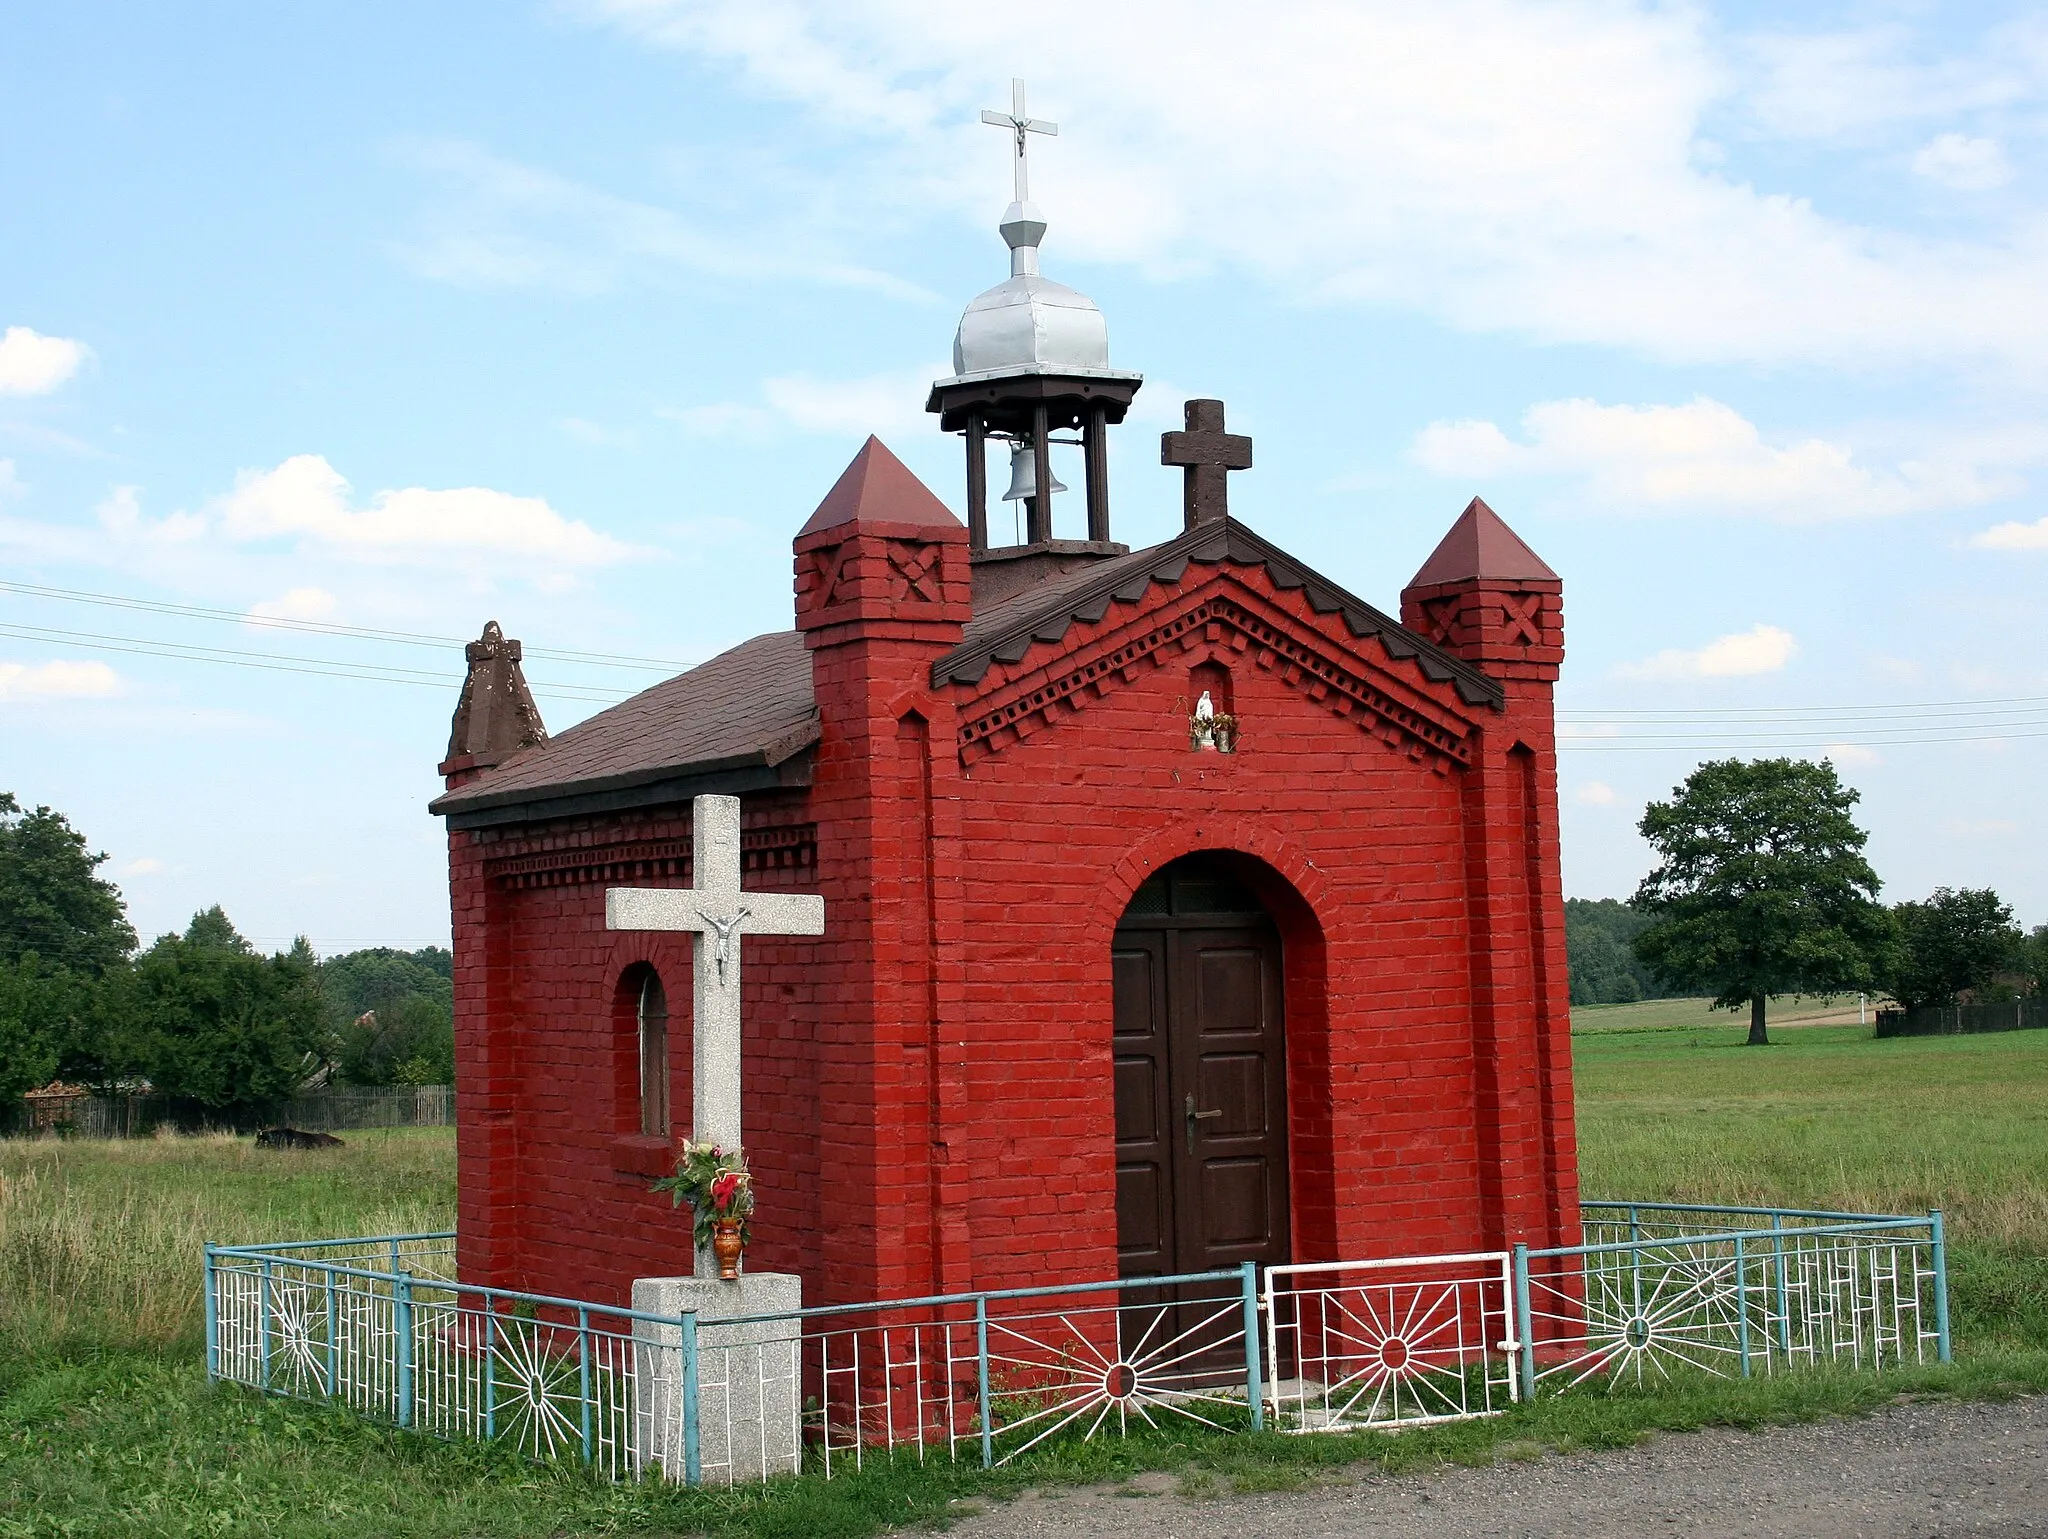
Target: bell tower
1030,363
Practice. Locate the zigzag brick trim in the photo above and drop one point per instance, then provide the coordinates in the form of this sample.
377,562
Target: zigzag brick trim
792,848
1300,665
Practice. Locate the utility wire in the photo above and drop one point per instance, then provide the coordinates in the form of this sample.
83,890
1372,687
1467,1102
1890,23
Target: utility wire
321,627
278,662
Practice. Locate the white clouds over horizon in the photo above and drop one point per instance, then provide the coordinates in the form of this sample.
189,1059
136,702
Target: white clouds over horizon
305,498
1744,654
1702,456
33,364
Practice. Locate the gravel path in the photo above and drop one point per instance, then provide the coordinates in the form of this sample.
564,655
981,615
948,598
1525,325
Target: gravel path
1912,1472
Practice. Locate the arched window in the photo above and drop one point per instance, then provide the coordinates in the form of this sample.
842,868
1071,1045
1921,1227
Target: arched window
652,1014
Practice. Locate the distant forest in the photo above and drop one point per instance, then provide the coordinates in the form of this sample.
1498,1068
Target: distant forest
1598,936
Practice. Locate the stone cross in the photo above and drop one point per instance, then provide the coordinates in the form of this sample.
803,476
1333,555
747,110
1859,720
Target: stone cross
1020,124
1209,455
718,912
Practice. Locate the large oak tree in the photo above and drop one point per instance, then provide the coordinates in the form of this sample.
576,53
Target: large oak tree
1761,886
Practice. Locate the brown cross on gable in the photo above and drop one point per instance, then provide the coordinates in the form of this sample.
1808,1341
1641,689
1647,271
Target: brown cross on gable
1208,454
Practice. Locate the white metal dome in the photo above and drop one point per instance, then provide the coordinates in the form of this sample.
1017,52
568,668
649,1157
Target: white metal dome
1027,321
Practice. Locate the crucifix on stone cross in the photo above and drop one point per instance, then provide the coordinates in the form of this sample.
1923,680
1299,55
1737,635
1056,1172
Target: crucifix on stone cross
719,912
1208,454
1020,123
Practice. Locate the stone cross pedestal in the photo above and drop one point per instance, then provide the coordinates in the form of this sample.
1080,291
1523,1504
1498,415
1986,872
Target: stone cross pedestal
749,1377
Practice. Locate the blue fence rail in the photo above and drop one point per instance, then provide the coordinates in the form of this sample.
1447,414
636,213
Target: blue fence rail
381,1324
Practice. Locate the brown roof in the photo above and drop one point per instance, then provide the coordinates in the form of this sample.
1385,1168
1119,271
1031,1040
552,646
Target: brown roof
746,710
1480,547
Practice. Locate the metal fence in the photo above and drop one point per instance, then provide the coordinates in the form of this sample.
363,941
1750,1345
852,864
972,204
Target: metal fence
1656,1293
2030,1014
1662,1290
139,1116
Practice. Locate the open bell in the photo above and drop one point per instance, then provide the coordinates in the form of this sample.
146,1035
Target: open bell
1024,474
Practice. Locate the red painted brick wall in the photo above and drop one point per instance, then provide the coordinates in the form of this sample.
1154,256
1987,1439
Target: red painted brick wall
928,1091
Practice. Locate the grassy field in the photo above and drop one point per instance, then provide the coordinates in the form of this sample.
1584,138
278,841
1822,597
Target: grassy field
107,1426
1652,1014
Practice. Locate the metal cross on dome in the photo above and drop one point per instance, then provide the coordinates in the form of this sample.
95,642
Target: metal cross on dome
1020,123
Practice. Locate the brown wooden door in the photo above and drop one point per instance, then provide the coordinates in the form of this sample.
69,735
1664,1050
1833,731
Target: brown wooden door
1201,1110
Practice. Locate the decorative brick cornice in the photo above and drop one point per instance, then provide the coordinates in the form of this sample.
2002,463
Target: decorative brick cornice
1301,658
1128,580
793,847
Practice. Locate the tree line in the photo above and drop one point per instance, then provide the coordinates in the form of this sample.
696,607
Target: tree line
199,1015
1761,889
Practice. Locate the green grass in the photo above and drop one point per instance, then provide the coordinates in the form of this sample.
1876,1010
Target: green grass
1826,1117
107,1426
100,1239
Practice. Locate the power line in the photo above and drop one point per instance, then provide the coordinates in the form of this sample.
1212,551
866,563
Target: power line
320,627
1794,716
280,662
1627,745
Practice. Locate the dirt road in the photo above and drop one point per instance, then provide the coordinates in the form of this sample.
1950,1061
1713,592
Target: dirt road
1912,1472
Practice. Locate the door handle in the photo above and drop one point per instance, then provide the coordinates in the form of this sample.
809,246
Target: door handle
1194,1116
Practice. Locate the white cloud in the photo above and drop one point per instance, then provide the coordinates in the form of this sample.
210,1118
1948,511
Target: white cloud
2013,536
1854,85
1969,165
1541,168
596,434
120,514
296,604
148,865
875,403
1594,793
12,487
1703,456
306,498
500,224
1760,649
33,364
1852,755
62,679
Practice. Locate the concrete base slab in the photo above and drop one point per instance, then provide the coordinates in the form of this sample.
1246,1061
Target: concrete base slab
749,1384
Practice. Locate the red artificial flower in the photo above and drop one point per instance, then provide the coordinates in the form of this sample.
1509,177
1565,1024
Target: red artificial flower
724,1188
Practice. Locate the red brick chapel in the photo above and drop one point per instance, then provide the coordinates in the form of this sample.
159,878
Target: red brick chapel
1181,908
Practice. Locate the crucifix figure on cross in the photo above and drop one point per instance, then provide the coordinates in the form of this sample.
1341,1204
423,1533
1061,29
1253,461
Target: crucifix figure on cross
1208,454
720,912
1020,123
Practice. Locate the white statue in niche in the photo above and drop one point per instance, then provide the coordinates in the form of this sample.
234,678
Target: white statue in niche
1211,730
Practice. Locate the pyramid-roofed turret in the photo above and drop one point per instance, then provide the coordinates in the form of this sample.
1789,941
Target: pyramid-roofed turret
879,488
1480,547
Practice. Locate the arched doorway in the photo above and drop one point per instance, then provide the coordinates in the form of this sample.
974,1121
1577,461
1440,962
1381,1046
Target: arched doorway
1201,1075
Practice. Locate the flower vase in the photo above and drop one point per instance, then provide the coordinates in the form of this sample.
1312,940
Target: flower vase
726,1246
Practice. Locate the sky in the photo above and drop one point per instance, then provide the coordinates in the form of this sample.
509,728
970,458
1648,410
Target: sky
324,320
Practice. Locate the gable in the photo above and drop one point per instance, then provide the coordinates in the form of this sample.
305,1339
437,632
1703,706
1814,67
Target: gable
739,722
1055,648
